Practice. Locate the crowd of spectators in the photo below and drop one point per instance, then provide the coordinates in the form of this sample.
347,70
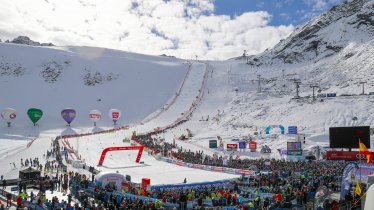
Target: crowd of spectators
288,180
283,183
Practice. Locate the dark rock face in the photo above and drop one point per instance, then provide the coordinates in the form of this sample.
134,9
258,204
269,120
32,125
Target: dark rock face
27,41
97,78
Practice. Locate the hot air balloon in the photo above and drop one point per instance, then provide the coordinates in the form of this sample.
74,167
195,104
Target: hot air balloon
68,115
9,114
34,114
95,116
114,114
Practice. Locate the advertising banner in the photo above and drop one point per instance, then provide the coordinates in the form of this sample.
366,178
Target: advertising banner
363,172
253,146
295,152
213,144
294,149
232,146
242,145
344,155
347,179
292,129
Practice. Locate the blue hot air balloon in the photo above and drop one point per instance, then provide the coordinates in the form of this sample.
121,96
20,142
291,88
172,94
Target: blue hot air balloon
68,115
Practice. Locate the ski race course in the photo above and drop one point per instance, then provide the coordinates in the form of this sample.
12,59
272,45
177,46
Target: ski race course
249,128
177,109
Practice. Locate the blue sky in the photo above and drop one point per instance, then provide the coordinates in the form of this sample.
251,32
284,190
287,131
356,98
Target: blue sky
210,29
283,12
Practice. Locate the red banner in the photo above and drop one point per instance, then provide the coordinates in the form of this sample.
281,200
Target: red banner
253,146
344,155
232,146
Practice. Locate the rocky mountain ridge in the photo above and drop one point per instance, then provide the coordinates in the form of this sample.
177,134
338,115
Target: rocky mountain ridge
27,41
324,36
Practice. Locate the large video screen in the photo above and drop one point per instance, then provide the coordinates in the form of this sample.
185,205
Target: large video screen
348,137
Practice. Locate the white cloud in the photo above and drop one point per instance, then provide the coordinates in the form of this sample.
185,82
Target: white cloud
321,5
183,28
317,5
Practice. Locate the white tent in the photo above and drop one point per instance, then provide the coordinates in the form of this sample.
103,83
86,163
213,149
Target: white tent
114,179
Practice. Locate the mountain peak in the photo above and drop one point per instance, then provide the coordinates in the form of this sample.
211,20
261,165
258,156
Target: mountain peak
27,41
324,35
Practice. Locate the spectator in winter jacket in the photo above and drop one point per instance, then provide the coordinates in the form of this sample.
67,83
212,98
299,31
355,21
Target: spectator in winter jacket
19,202
8,200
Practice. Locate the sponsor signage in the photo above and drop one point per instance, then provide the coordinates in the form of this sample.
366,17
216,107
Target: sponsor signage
293,145
295,152
294,149
292,129
331,94
253,146
212,143
14,188
242,145
232,146
344,155
363,173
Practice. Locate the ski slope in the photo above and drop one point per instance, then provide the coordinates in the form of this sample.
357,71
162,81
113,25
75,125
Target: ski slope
159,172
84,78
184,85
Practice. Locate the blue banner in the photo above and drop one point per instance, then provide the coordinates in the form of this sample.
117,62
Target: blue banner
242,145
292,129
346,179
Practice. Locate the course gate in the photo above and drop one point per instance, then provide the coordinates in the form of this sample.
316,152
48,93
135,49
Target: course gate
103,154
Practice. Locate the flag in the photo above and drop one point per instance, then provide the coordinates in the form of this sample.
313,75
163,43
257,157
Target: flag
369,157
358,189
364,150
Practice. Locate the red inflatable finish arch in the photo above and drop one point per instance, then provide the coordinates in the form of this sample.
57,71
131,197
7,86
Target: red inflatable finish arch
140,148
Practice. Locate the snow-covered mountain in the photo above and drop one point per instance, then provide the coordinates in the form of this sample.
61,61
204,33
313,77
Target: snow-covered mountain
333,51
324,36
84,78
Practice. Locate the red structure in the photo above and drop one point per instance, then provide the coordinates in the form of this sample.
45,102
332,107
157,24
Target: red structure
103,154
145,183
